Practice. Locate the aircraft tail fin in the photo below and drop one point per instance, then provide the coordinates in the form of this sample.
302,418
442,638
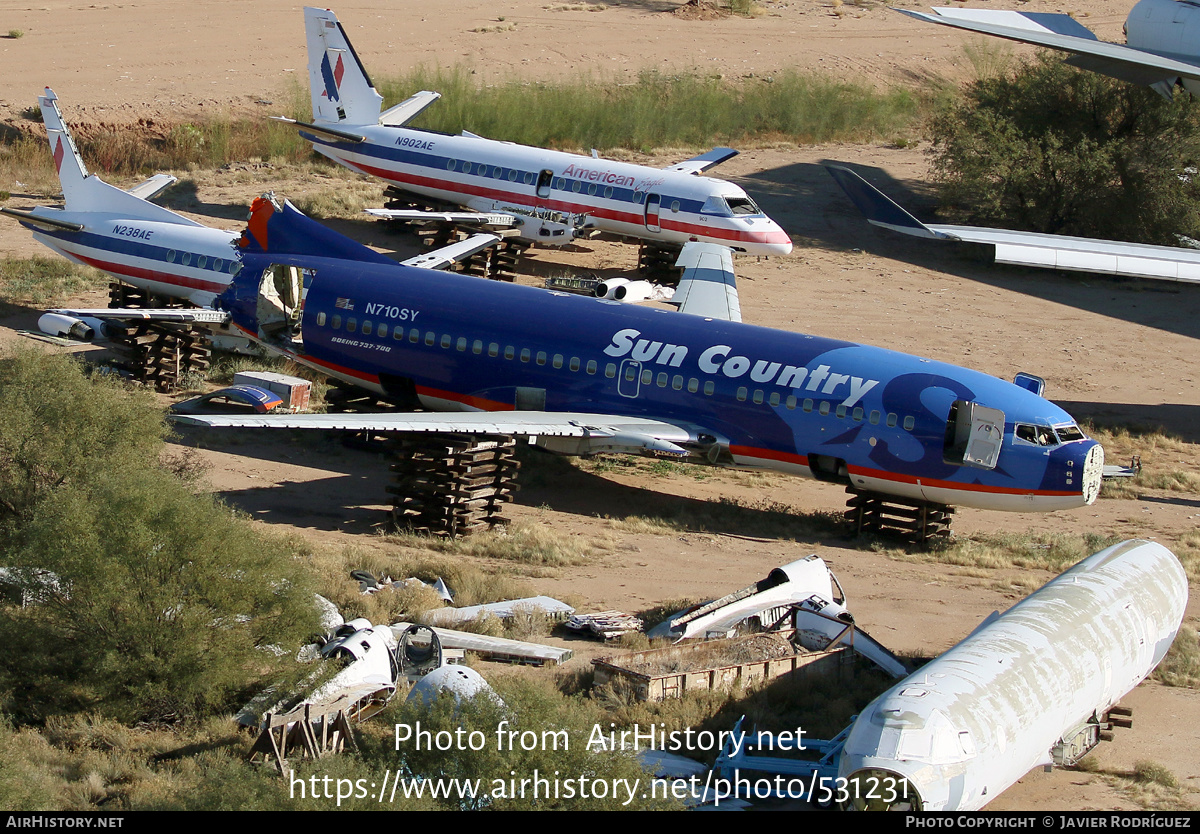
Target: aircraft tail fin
879,209
72,173
84,192
279,228
339,85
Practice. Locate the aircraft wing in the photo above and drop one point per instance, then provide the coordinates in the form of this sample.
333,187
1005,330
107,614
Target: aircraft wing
708,286
1137,260
698,164
154,186
1065,34
594,432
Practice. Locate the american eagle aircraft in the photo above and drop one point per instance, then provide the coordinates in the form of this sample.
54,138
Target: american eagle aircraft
583,375
549,196
1108,257
143,244
1161,49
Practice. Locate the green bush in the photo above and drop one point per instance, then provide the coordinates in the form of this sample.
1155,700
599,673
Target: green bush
164,605
1053,149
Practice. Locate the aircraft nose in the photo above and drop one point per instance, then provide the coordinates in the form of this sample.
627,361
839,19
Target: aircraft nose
774,240
1093,472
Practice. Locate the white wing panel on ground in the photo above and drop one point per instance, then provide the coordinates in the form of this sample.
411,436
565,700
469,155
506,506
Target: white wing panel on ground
1134,260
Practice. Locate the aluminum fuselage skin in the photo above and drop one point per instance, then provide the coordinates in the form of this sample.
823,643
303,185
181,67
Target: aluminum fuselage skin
969,724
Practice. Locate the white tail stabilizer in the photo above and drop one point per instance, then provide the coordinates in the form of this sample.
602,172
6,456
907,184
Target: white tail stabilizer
339,85
86,192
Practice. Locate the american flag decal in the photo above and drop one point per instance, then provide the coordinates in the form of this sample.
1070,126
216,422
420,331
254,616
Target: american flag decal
344,304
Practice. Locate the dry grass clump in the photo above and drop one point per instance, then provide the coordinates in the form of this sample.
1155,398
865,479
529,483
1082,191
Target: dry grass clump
1168,462
1181,666
521,543
347,199
576,7
1030,550
46,282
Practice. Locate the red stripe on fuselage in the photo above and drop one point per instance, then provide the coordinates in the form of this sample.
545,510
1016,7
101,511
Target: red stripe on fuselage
149,274
632,218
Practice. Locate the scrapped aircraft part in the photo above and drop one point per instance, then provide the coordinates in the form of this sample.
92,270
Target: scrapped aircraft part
548,607
498,263
419,652
783,586
452,485
499,649
460,681
234,397
1038,683
909,518
657,260
606,625
156,353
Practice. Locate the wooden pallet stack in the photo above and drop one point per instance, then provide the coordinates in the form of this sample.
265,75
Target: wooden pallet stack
911,519
452,486
157,353
657,261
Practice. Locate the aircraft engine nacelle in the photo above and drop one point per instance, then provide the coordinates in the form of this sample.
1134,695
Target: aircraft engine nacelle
608,289
634,291
69,327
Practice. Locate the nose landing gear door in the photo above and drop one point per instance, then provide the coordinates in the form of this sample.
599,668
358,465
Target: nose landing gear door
974,435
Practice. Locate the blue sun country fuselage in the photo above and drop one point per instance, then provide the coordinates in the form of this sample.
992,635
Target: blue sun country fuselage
749,396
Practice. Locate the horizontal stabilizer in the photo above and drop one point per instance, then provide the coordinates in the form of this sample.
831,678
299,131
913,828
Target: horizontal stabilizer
1065,35
461,217
455,252
1134,260
41,221
332,132
173,314
409,109
154,186
704,161
708,286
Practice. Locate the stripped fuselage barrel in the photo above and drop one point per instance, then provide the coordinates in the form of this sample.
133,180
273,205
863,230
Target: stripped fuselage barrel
969,724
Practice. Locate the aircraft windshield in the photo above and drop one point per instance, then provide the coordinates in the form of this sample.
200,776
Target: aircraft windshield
716,205
1037,435
742,205
1069,432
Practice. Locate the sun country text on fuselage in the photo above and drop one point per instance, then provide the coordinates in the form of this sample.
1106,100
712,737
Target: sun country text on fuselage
835,410
552,194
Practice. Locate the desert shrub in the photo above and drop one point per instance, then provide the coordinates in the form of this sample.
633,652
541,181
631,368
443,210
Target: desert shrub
1049,148
142,601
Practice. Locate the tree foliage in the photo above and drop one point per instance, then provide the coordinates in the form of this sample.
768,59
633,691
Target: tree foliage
141,600
1053,149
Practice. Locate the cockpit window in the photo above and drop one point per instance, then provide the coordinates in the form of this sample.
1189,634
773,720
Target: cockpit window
1037,435
716,205
742,205
1069,432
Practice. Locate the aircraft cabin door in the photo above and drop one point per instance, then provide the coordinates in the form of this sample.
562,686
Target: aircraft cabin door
543,183
630,379
653,201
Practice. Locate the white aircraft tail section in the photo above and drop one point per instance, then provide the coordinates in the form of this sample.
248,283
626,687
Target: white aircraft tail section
339,85
72,173
84,192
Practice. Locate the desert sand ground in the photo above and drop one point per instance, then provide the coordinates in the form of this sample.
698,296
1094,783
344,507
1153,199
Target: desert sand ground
1123,352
